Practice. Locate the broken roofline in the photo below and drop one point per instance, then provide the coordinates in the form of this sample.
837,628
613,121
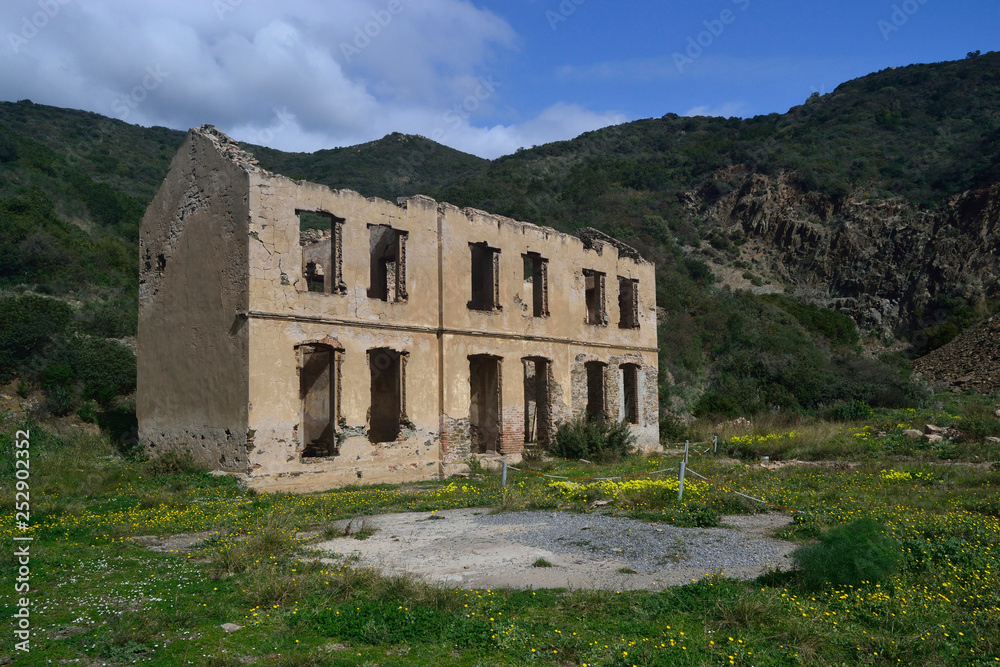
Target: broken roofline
592,239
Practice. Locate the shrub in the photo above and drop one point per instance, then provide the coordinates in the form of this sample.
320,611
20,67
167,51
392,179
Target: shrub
979,426
111,319
87,412
672,428
107,368
59,401
851,411
120,424
848,555
718,404
27,325
593,439
978,421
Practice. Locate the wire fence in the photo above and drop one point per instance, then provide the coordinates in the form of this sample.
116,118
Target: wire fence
682,470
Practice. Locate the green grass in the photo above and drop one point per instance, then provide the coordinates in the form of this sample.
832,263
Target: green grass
98,596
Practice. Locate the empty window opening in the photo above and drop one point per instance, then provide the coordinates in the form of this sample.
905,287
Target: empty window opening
536,283
318,384
388,263
321,238
484,403
485,277
537,404
596,403
628,303
315,277
388,394
594,286
630,393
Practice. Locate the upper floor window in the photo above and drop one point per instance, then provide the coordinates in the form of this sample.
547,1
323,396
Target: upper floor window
536,283
594,286
321,238
388,263
628,303
485,277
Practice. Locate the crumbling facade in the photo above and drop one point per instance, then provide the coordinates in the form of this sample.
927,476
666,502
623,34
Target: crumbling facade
314,338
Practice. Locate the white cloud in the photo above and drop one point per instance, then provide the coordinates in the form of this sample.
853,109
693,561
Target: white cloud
297,75
557,122
725,110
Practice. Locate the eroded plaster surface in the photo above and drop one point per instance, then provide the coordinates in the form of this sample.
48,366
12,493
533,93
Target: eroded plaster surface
433,320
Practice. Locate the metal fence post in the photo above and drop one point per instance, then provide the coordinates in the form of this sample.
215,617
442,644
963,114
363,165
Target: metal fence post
715,445
503,475
687,444
680,485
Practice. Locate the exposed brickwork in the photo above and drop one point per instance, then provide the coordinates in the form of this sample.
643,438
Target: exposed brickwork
561,410
614,387
455,439
578,385
512,431
650,394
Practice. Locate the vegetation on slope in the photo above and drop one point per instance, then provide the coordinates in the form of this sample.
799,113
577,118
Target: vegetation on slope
398,165
73,186
923,132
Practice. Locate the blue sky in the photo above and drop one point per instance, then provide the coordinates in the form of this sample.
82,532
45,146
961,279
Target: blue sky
484,77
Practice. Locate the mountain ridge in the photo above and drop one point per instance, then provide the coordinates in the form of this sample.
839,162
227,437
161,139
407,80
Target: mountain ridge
878,201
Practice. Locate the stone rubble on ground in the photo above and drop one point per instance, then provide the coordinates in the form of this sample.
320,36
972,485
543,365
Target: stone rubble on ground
971,362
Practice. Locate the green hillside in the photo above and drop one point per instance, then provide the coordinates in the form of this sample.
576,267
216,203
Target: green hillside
398,165
74,185
923,132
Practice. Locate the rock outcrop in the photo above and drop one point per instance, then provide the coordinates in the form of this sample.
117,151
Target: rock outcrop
881,261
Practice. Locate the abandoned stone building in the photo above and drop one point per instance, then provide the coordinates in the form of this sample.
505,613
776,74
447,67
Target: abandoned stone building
314,338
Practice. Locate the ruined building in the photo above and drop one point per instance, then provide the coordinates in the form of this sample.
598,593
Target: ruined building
314,338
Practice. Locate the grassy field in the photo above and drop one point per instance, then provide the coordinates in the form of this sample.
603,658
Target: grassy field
98,596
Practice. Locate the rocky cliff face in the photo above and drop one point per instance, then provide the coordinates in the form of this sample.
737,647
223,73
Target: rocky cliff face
879,261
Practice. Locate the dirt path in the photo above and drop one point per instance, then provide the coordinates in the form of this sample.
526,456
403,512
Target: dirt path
470,548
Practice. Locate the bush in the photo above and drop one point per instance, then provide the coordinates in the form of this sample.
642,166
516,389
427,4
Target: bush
672,428
979,427
120,424
719,403
59,401
851,411
107,368
109,319
87,412
593,439
27,325
848,555
978,421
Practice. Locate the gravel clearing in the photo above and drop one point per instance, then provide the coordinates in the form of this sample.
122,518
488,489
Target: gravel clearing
470,548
